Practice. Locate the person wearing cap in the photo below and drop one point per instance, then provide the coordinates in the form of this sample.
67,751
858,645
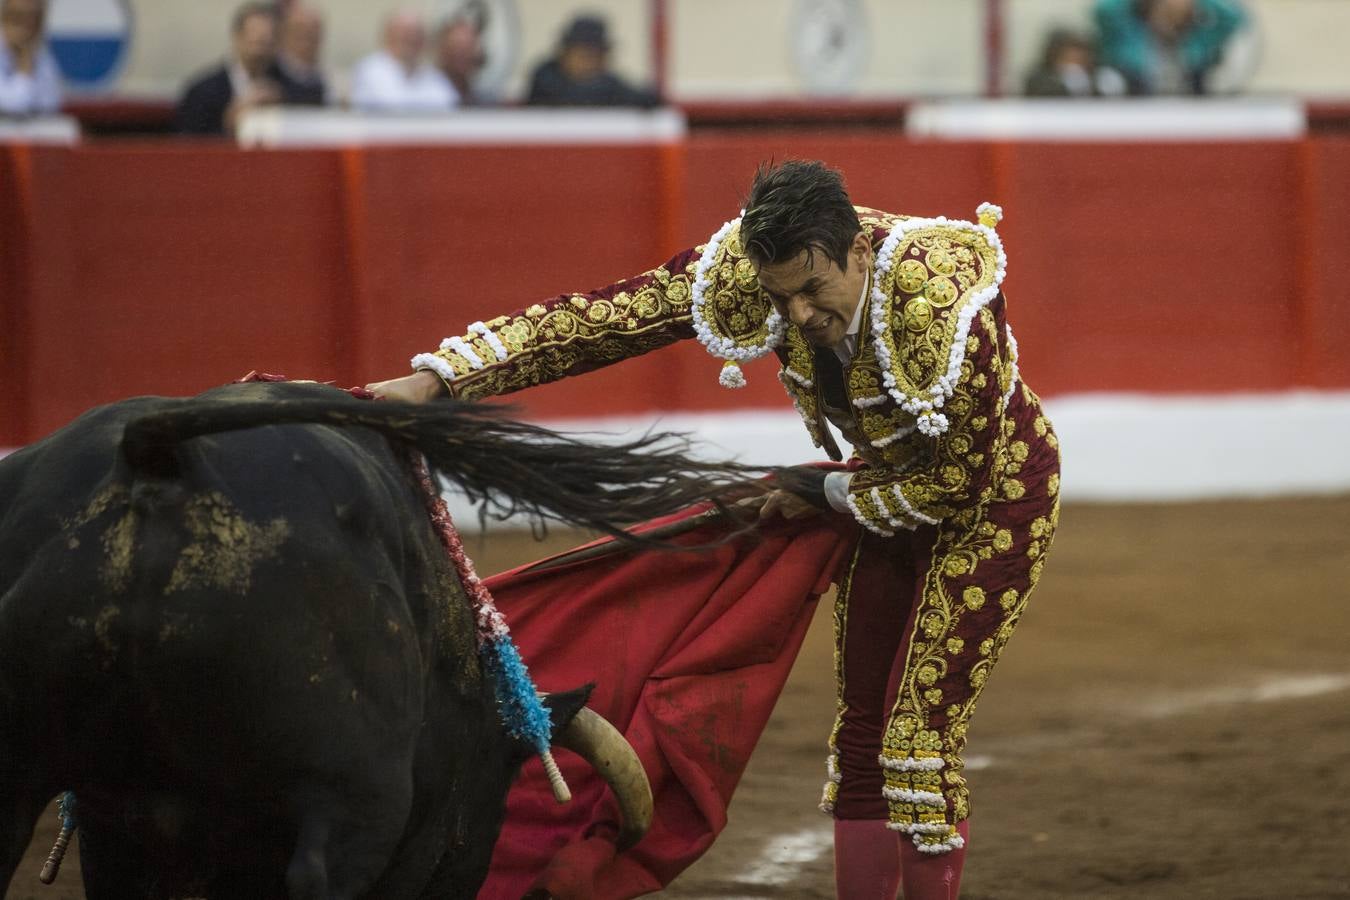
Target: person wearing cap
579,75
894,329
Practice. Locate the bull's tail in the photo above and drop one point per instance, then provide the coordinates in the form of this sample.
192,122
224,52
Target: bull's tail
512,466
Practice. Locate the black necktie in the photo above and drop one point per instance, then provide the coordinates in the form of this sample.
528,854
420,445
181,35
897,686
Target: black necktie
830,374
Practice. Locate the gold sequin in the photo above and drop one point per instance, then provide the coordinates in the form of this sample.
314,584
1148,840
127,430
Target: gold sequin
941,291
910,276
918,315
942,261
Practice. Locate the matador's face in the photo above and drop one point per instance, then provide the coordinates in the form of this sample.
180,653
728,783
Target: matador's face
813,293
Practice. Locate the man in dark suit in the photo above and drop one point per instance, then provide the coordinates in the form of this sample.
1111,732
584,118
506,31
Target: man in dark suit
579,74
249,77
299,65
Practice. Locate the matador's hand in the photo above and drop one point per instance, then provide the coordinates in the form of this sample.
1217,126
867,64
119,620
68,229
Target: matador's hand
795,493
419,387
777,503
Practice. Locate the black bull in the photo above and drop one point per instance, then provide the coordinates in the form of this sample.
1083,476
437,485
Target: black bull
227,625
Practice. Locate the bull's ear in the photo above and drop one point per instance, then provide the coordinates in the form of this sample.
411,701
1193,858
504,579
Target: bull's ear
562,707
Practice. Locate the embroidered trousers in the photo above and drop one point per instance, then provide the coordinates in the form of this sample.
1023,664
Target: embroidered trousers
875,607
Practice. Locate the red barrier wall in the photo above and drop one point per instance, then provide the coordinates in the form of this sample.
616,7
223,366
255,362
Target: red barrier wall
13,295
170,268
449,236
1325,266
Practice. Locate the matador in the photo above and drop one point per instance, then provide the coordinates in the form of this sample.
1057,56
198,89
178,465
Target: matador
894,330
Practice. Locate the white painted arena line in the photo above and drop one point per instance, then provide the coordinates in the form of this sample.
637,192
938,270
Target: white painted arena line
1268,690
977,761
1271,689
783,857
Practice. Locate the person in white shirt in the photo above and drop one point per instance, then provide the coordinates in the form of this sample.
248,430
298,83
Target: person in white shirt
30,82
397,78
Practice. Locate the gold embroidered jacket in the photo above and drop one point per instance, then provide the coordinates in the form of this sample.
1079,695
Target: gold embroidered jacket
945,436
934,335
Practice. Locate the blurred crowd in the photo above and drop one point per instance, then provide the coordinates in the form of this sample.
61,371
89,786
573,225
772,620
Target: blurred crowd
275,55
1140,48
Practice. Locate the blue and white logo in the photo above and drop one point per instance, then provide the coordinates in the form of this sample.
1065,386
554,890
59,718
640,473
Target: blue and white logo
89,39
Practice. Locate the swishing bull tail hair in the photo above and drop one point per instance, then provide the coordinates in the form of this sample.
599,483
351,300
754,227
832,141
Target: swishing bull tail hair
512,466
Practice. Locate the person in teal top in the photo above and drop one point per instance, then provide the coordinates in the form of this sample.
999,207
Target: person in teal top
1166,47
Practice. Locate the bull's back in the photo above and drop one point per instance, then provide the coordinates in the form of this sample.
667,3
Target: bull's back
229,624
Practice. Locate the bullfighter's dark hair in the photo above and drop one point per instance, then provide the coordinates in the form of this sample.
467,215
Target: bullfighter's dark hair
511,466
798,206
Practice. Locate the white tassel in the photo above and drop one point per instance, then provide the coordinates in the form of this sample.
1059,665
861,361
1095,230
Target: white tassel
732,376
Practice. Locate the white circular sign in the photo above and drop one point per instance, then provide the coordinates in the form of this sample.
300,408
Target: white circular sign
89,39
829,44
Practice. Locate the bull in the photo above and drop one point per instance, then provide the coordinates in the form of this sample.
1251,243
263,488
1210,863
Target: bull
228,627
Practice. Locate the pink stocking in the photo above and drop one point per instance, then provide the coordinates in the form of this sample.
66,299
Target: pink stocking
933,876
866,860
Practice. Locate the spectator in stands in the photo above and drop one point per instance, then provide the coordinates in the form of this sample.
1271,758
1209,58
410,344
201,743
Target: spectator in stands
298,56
30,82
1166,47
1068,68
460,56
213,103
396,78
579,74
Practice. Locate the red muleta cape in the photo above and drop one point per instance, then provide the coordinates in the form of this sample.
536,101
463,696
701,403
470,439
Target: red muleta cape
688,652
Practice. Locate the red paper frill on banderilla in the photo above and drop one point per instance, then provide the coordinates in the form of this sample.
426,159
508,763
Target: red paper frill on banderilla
688,652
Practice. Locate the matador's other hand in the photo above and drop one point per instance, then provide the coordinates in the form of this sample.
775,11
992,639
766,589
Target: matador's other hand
778,503
419,387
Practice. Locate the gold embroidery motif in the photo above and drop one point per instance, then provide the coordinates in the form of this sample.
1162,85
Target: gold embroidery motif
547,341
943,268
830,794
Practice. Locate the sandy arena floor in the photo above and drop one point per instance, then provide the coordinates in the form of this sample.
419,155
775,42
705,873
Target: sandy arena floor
1171,721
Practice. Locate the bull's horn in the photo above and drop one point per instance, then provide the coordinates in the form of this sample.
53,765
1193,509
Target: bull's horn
600,744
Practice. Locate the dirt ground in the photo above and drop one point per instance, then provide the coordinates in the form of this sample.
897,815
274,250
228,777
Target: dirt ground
1171,721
